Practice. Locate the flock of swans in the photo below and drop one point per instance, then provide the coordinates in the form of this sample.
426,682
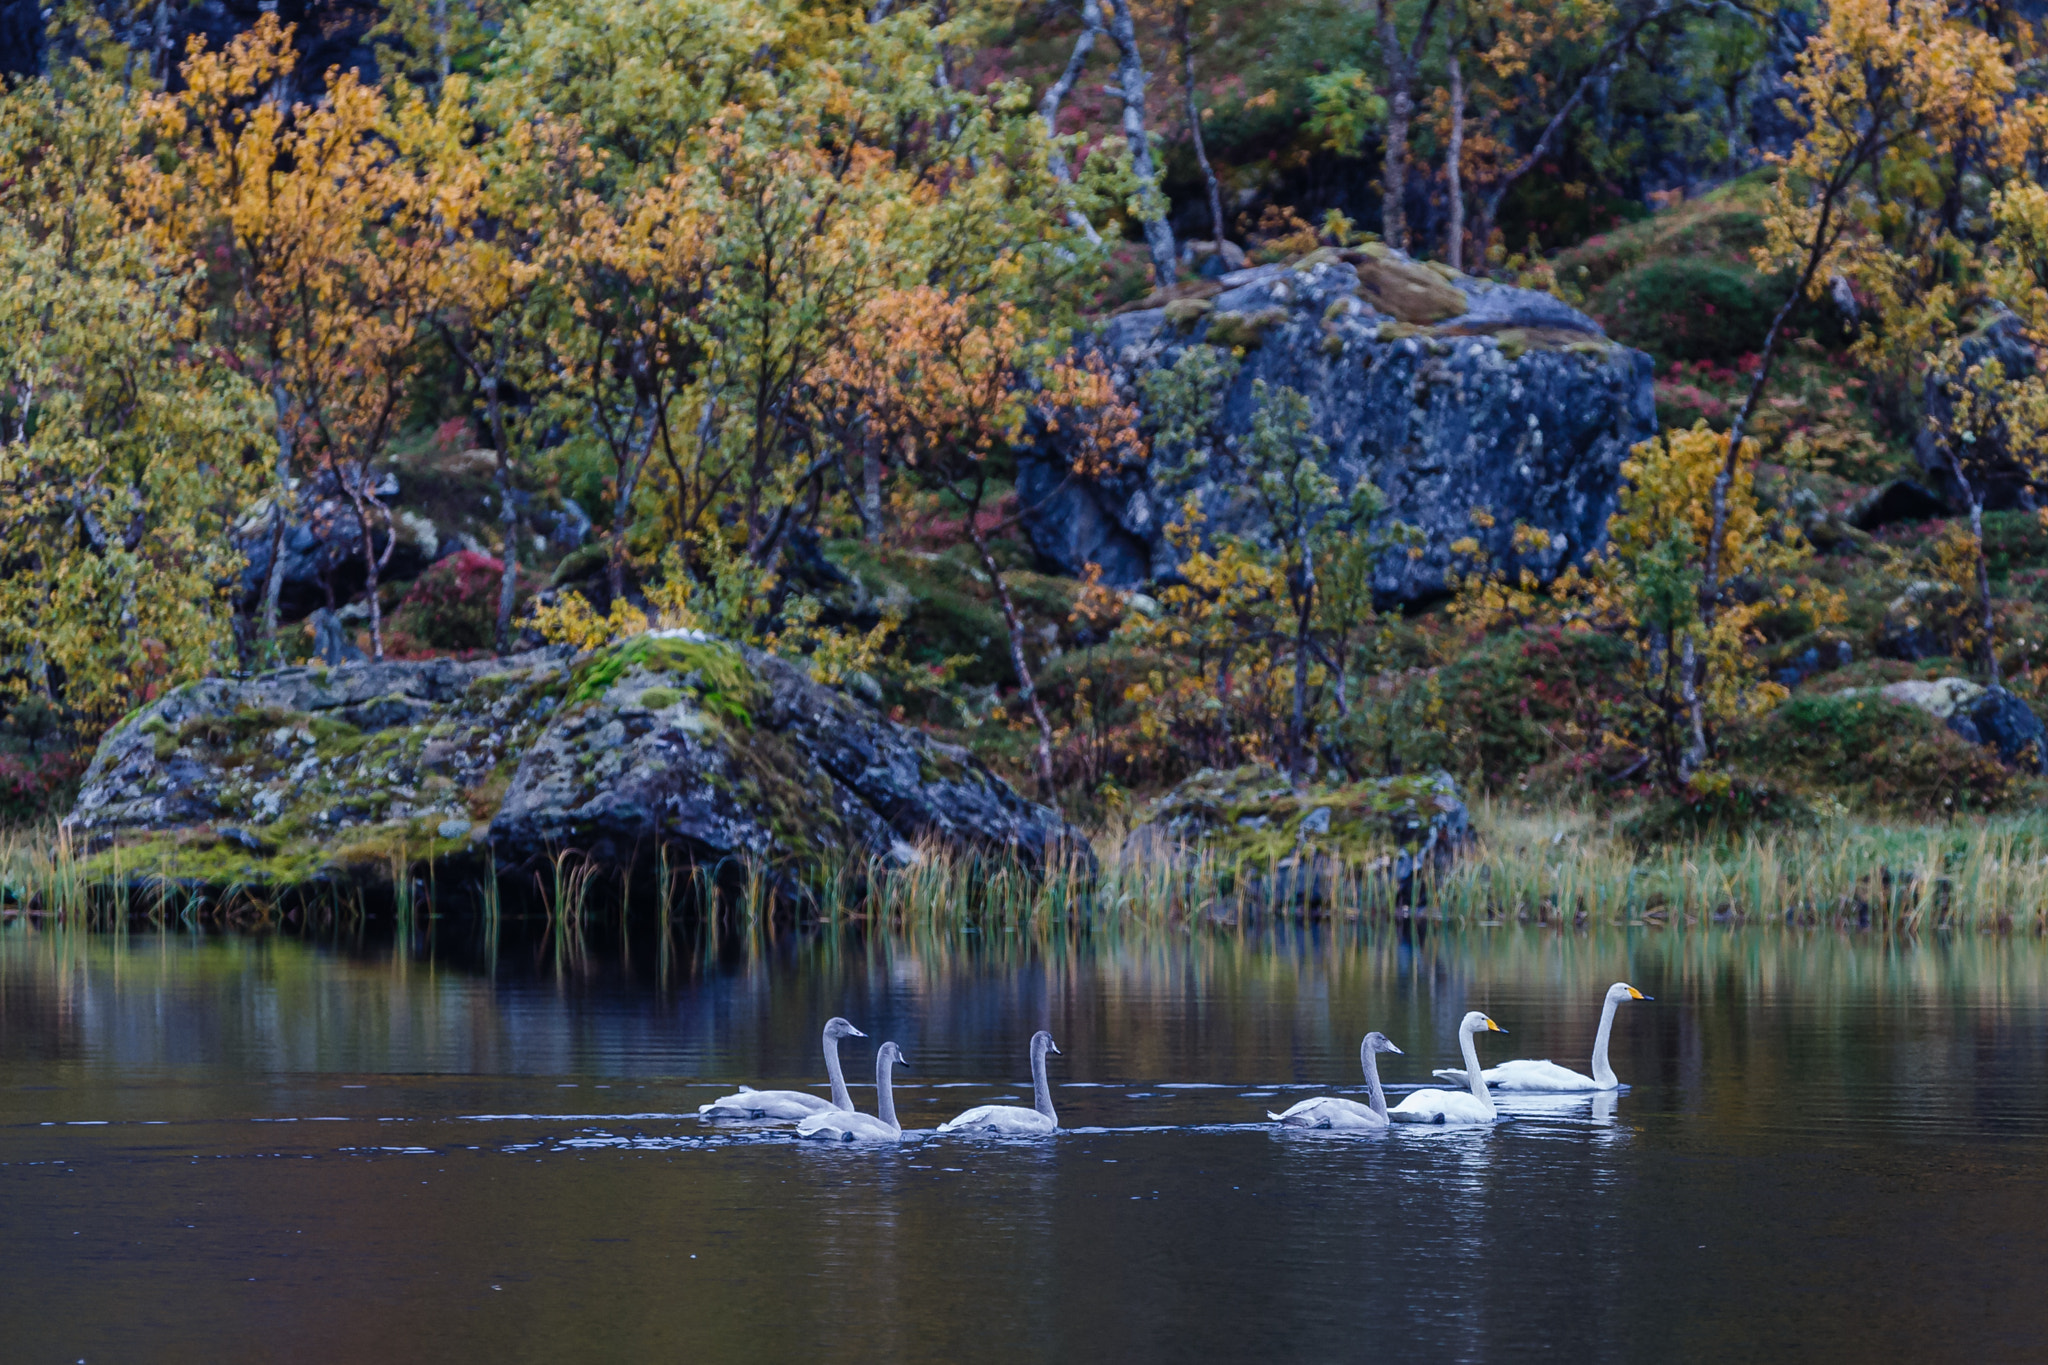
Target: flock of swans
836,1120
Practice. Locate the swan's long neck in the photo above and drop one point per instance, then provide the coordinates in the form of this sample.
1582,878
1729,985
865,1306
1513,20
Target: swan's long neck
885,1093
1603,1074
841,1097
1041,1093
1478,1082
1372,1079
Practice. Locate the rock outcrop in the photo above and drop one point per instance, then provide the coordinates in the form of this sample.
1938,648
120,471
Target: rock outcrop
1990,716
716,753
321,544
2006,480
1313,850
1453,394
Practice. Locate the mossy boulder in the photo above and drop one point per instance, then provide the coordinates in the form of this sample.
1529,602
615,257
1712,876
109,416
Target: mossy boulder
671,741
1300,846
308,775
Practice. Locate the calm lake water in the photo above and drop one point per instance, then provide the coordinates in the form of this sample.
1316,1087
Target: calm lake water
218,1149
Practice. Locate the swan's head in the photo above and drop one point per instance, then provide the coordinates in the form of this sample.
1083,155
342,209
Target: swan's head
1475,1022
1041,1041
893,1055
839,1028
1621,990
1377,1042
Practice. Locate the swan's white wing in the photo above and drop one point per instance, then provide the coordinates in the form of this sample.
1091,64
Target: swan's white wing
1329,1111
765,1104
842,1126
999,1118
1440,1106
1533,1075
1525,1075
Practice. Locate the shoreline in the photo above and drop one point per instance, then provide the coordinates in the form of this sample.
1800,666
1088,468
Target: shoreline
1568,868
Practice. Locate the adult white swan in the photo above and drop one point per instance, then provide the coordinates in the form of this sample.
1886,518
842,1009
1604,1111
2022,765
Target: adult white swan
850,1125
1332,1111
1524,1074
1010,1119
750,1103
1449,1106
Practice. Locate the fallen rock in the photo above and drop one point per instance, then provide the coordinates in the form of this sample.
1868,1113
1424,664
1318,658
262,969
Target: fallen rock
1916,623
1940,698
669,741
1452,394
1309,850
1990,716
1998,720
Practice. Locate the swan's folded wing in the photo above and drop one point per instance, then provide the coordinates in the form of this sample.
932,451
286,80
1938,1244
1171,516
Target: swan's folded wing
972,1118
1439,1106
842,1125
1329,1111
767,1104
999,1118
1529,1074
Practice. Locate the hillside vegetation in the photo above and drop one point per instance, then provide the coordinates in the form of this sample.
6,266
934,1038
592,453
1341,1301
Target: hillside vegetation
448,330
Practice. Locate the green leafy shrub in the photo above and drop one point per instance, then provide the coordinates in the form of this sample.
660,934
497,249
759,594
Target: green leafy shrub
2013,543
1877,757
1522,698
1689,309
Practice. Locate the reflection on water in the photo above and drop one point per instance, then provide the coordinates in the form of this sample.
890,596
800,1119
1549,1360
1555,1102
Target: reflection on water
470,1146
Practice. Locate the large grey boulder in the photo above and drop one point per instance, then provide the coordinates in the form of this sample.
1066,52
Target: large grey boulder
1453,394
673,742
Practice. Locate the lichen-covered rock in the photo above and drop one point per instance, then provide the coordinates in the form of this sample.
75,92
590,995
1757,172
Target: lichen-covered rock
671,740
1306,848
313,773
1453,394
687,741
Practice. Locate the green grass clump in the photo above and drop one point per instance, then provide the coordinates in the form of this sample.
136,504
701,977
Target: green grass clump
715,672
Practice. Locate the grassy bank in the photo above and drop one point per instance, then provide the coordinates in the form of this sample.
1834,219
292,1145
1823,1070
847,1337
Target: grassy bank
1565,867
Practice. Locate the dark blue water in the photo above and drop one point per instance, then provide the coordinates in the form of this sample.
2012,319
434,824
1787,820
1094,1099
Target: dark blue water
219,1149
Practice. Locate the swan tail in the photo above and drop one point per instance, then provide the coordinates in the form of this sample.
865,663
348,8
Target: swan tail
1450,1073
1275,1117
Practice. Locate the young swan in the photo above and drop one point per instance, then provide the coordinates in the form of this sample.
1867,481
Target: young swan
852,1126
1449,1106
790,1104
1525,1075
1331,1111
1009,1120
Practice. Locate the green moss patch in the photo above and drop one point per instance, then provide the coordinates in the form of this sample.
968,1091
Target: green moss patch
715,673
1243,331
1253,814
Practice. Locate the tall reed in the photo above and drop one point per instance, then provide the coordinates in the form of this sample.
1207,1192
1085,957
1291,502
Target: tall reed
1546,867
